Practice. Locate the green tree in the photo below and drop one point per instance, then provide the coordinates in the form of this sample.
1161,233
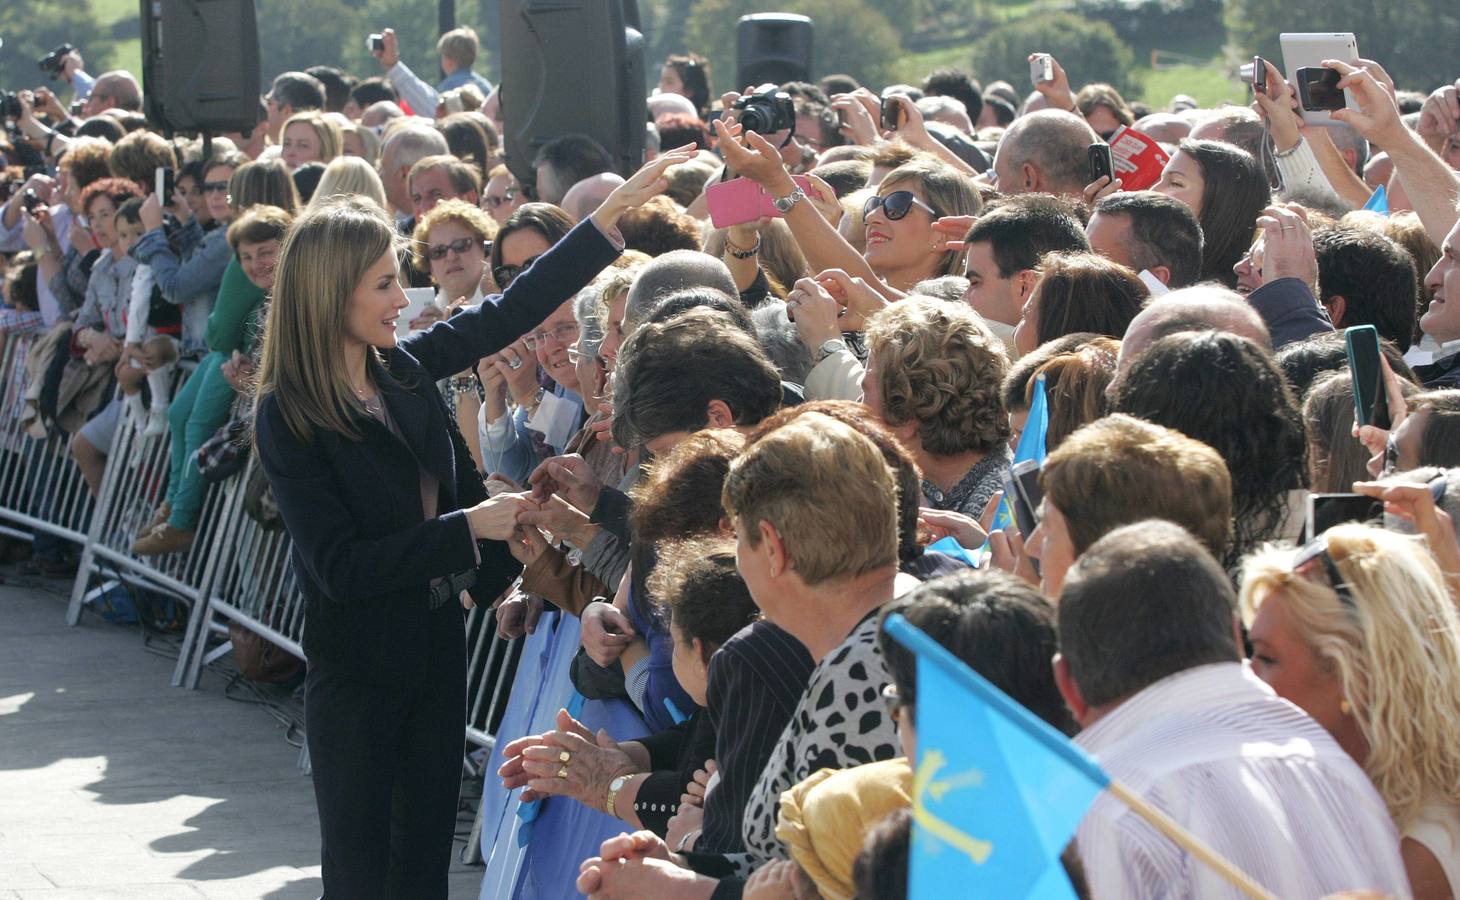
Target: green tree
295,36
1089,51
1415,41
851,37
32,28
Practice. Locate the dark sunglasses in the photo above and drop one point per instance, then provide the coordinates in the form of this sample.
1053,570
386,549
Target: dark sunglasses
1316,552
459,246
505,274
1391,454
215,187
896,205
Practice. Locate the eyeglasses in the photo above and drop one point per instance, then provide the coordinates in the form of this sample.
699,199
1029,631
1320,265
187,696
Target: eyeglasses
1316,552
896,205
460,246
215,187
496,202
505,274
565,334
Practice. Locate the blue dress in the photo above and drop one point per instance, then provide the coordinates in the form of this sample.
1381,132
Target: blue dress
533,850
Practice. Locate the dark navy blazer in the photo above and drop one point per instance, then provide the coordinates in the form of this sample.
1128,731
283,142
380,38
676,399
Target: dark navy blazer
362,554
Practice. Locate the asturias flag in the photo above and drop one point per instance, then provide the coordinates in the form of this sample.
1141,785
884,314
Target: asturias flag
997,793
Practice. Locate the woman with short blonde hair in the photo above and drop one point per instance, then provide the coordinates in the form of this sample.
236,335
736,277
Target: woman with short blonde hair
1358,629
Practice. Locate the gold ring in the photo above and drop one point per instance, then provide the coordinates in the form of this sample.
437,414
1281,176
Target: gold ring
563,772
564,756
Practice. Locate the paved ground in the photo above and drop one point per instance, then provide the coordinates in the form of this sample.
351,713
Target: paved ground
115,785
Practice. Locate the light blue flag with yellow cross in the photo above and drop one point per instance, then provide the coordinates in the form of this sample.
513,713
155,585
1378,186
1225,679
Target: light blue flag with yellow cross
1031,446
997,792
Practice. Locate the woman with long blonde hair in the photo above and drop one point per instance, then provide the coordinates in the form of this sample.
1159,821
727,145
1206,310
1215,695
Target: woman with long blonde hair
390,522
1358,629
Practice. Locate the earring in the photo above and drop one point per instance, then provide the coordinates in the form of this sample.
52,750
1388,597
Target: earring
1345,707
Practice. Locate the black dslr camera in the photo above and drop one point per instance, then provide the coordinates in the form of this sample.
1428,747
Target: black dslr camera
52,63
9,106
767,111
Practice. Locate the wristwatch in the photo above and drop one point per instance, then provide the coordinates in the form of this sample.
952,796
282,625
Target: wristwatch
613,788
783,204
835,345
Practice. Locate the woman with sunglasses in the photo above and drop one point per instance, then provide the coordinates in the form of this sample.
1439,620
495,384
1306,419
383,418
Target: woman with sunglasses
502,195
1358,629
203,403
902,246
513,379
450,242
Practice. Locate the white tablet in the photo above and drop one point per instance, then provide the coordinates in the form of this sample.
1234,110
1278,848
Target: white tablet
1304,50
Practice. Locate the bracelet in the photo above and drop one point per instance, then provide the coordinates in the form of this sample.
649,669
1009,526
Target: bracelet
742,254
1284,154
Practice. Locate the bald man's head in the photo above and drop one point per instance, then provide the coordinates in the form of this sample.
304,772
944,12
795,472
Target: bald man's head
587,195
1045,151
1202,307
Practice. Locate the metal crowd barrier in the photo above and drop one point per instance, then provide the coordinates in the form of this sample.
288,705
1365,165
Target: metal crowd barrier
41,488
490,668
132,488
248,581
237,571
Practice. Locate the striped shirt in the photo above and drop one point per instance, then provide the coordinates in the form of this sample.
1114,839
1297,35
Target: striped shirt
756,680
1248,773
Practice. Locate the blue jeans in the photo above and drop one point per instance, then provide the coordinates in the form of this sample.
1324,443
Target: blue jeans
198,410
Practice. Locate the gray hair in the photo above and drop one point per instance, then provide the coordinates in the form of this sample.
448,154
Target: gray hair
670,272
585,311
412,142
781,342
944,287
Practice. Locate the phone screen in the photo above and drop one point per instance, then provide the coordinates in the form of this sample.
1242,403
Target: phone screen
164,185
891,113
1371,403
1101,163
1318,89
1328,510
1023,515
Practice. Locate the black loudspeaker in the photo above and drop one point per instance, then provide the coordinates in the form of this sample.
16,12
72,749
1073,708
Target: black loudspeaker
772,47
572,66
200,65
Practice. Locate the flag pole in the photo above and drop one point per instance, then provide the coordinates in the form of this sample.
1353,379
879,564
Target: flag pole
1189,842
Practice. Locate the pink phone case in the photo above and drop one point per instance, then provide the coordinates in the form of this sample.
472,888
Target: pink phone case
741,200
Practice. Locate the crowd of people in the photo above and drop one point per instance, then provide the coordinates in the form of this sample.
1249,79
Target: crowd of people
695,468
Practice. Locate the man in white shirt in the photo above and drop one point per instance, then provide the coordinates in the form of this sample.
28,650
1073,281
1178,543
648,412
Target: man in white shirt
1150,665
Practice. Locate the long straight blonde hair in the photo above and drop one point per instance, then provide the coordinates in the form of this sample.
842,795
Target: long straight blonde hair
325,255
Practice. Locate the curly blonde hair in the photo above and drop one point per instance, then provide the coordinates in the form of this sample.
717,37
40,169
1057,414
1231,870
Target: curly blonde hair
1393,651
462,213
938,365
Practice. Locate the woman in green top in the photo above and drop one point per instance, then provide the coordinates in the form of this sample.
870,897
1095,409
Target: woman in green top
265,195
